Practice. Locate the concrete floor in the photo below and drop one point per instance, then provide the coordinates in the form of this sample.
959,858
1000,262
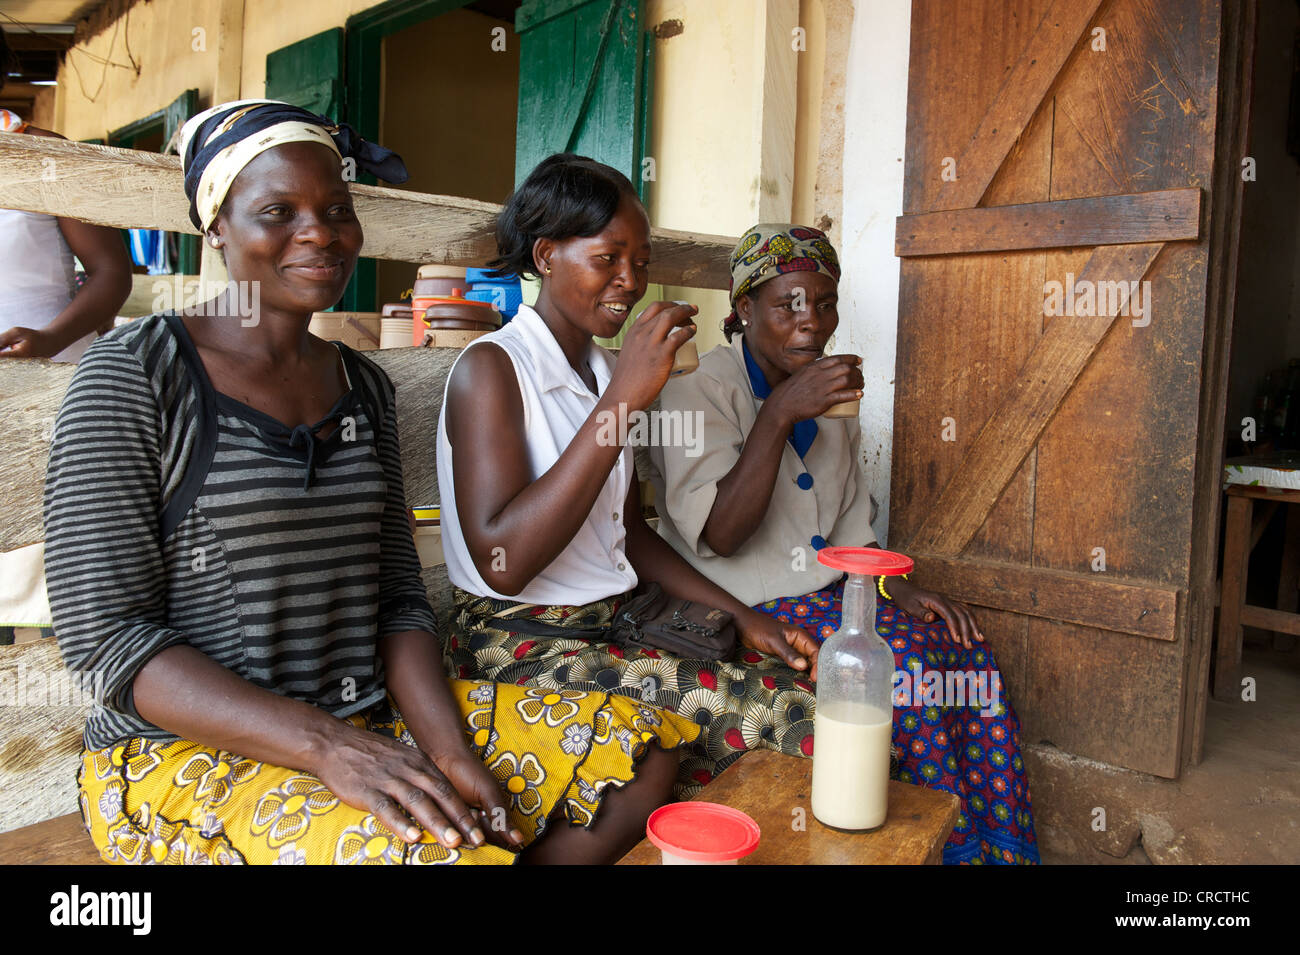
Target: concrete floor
1241,804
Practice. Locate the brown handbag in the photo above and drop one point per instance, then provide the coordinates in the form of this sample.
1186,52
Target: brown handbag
656,621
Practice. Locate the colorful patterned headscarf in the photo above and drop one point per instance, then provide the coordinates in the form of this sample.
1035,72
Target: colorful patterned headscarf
770,249
218,143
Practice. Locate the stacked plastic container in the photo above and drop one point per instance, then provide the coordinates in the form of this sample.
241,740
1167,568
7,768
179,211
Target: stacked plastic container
505,293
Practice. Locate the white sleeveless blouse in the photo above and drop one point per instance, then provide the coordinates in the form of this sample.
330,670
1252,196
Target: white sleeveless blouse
556,403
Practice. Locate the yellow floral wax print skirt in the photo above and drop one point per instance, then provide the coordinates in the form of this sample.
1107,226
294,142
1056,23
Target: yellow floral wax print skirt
553,751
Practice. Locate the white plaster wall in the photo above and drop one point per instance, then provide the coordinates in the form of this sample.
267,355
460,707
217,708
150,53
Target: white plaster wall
874,134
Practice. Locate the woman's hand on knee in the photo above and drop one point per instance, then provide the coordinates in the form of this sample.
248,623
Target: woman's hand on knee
766,634
480,790
928,606
399,783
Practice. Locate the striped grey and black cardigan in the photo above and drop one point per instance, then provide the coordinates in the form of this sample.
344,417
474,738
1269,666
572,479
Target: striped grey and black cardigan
174,514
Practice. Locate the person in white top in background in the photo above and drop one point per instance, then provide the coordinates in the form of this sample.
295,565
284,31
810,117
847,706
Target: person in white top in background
42,315
541,513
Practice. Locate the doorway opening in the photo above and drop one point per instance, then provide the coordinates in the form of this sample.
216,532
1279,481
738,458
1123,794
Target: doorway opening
437,81
448,100
1263,402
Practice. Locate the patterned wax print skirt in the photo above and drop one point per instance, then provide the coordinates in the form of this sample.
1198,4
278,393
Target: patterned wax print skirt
753,700
954,731
554,753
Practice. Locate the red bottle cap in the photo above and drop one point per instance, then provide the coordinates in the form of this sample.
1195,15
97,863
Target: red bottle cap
869,561
702,831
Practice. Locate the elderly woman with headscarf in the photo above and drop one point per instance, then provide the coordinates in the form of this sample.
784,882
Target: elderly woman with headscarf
776,481
229,559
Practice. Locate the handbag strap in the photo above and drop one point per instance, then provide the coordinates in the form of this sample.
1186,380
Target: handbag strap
540,628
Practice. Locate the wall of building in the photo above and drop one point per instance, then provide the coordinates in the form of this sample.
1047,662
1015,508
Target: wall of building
154,53
272,24
875,123
747,125
734,124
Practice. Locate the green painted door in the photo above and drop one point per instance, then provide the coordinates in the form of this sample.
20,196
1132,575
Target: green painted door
174,116
309,73
584,83
177,112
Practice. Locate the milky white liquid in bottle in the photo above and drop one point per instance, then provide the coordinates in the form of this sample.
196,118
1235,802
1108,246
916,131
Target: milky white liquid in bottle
850,787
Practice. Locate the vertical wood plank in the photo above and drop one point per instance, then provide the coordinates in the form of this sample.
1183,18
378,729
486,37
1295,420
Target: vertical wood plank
775,119
952,80
1236,560
1236,68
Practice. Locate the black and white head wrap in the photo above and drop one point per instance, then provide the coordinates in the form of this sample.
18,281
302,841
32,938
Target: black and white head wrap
218,143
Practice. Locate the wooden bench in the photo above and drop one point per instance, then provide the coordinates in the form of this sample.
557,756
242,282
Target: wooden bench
765,784
771,786
59,841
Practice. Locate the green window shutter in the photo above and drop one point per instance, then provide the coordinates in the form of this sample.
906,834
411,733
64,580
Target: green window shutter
583,83
177,112
174,116
309,73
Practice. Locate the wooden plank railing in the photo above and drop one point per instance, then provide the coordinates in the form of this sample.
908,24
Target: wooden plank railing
127,188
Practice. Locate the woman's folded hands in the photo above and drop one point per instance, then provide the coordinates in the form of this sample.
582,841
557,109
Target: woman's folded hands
451,796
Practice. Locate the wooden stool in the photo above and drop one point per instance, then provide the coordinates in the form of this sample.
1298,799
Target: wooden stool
769,786
1239,539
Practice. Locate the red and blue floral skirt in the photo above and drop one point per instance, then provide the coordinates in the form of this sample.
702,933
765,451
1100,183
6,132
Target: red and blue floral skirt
954,727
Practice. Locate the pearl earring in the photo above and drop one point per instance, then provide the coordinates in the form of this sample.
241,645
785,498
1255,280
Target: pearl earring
212,241
745,322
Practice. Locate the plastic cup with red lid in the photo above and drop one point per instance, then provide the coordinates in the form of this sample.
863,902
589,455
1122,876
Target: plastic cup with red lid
702,833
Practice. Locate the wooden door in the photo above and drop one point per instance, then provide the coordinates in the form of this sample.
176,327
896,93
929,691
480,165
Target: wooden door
1046,465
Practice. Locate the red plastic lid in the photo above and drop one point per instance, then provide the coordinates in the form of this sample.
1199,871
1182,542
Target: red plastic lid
702,831
871,561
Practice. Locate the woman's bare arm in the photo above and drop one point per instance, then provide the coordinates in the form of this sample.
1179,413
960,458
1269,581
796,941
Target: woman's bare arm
515,526
108,283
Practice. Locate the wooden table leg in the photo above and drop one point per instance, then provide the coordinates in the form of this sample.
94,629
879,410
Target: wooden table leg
1236,560
1288,585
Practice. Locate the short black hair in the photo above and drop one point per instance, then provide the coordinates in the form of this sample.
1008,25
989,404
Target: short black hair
566,195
